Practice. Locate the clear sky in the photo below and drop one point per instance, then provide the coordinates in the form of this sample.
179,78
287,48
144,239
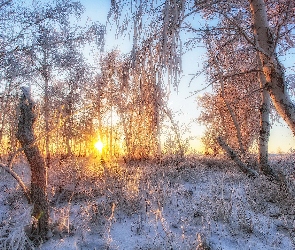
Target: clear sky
281,138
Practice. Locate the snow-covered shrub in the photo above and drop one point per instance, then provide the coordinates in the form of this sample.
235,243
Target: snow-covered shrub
13,229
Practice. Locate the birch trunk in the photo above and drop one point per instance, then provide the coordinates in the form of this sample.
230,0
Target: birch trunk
45,74
273,71
25,135
264,126
264,130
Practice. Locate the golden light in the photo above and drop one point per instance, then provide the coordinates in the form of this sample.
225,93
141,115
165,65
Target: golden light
99,145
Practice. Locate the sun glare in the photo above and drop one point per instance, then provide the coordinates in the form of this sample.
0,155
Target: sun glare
99,145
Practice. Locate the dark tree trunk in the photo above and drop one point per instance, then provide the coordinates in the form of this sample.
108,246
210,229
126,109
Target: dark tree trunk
235,157
25,135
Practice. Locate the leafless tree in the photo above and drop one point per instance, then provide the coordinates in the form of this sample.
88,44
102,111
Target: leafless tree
26,136
258,27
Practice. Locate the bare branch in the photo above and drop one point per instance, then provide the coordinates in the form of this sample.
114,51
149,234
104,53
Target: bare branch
198,91
280,25
224,77
234,156
5,3
19,180
240,30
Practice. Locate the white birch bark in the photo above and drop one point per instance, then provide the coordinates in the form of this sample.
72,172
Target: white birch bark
264,126
273,71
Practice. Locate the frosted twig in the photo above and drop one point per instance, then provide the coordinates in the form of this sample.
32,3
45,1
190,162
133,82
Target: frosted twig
19,180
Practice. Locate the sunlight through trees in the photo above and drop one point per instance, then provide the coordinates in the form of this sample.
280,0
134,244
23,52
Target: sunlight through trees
104,111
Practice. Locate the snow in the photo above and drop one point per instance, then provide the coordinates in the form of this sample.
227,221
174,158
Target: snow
190,203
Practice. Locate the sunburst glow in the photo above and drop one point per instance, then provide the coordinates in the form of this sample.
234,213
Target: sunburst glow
99,146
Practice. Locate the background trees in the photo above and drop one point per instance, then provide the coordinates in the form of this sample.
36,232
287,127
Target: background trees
121,99
43,48
238,27
243,63
136,97
37,45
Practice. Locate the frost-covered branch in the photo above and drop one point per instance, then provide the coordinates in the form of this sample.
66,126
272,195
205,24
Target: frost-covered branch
234,156
5,3
19,181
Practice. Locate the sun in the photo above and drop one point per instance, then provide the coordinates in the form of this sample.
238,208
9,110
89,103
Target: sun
99,146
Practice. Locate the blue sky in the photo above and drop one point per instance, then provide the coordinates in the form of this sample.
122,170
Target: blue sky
281,138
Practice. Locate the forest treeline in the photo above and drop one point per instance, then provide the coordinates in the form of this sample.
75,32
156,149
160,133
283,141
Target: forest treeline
77,101
121,99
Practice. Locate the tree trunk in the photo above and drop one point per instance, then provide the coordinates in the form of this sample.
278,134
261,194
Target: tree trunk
45,74
264,130
264,126
273,71
25,135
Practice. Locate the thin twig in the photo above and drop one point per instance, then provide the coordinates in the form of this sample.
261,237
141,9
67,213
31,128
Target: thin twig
200,90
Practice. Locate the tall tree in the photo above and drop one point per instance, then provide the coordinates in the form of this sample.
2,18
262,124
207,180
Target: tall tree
33,47
26,136
263,27
237,22
136,96
13,70
55,51
265,41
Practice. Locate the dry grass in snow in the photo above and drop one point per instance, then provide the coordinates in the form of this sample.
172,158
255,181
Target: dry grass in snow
191,203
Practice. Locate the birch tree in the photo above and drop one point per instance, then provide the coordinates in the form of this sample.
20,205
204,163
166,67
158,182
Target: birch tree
137,97
265,28
26,136
55,54
240,21
29,45
13,70
266,40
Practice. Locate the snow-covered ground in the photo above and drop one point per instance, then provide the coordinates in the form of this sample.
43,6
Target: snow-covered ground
193,203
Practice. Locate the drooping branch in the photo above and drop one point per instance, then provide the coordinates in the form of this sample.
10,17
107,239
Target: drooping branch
19,181
228,106
234,156
234,119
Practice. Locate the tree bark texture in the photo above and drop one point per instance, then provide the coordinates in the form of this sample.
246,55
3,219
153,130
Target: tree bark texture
45,74
273,71
25,135
264,132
